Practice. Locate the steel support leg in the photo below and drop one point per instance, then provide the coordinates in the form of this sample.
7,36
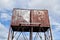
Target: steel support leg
45,36
51,33
31,30
9,34
12,35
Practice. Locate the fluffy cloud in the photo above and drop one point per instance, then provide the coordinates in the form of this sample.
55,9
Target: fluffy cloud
6,4
53,22
57,28
21,3
13,3
3,32
5,16
43,3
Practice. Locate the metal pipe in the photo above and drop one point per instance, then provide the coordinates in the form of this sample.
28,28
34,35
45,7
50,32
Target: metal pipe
51,33
9,34
12,34
31,30
45,35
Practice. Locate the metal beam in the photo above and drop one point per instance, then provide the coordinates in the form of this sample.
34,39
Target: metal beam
31,30
45,35
9,34
51,33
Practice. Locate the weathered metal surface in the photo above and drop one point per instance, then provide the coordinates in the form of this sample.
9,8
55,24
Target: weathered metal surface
40,17
20,17
30,18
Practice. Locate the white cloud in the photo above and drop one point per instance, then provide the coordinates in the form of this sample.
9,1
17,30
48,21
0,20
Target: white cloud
21,3
53,22
13,3
6,3
5,16
3,32
57,28
56,32
42,3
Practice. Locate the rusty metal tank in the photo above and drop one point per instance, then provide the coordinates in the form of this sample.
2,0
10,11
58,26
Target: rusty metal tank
30,18
40,17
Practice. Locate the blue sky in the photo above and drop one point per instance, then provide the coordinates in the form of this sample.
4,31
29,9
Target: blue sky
6,7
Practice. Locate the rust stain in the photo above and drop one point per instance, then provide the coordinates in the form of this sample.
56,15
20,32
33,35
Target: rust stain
37,18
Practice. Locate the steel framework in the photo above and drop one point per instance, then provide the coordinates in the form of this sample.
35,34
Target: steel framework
37,36
41,31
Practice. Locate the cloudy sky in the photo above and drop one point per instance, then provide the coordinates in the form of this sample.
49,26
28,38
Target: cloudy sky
6,7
